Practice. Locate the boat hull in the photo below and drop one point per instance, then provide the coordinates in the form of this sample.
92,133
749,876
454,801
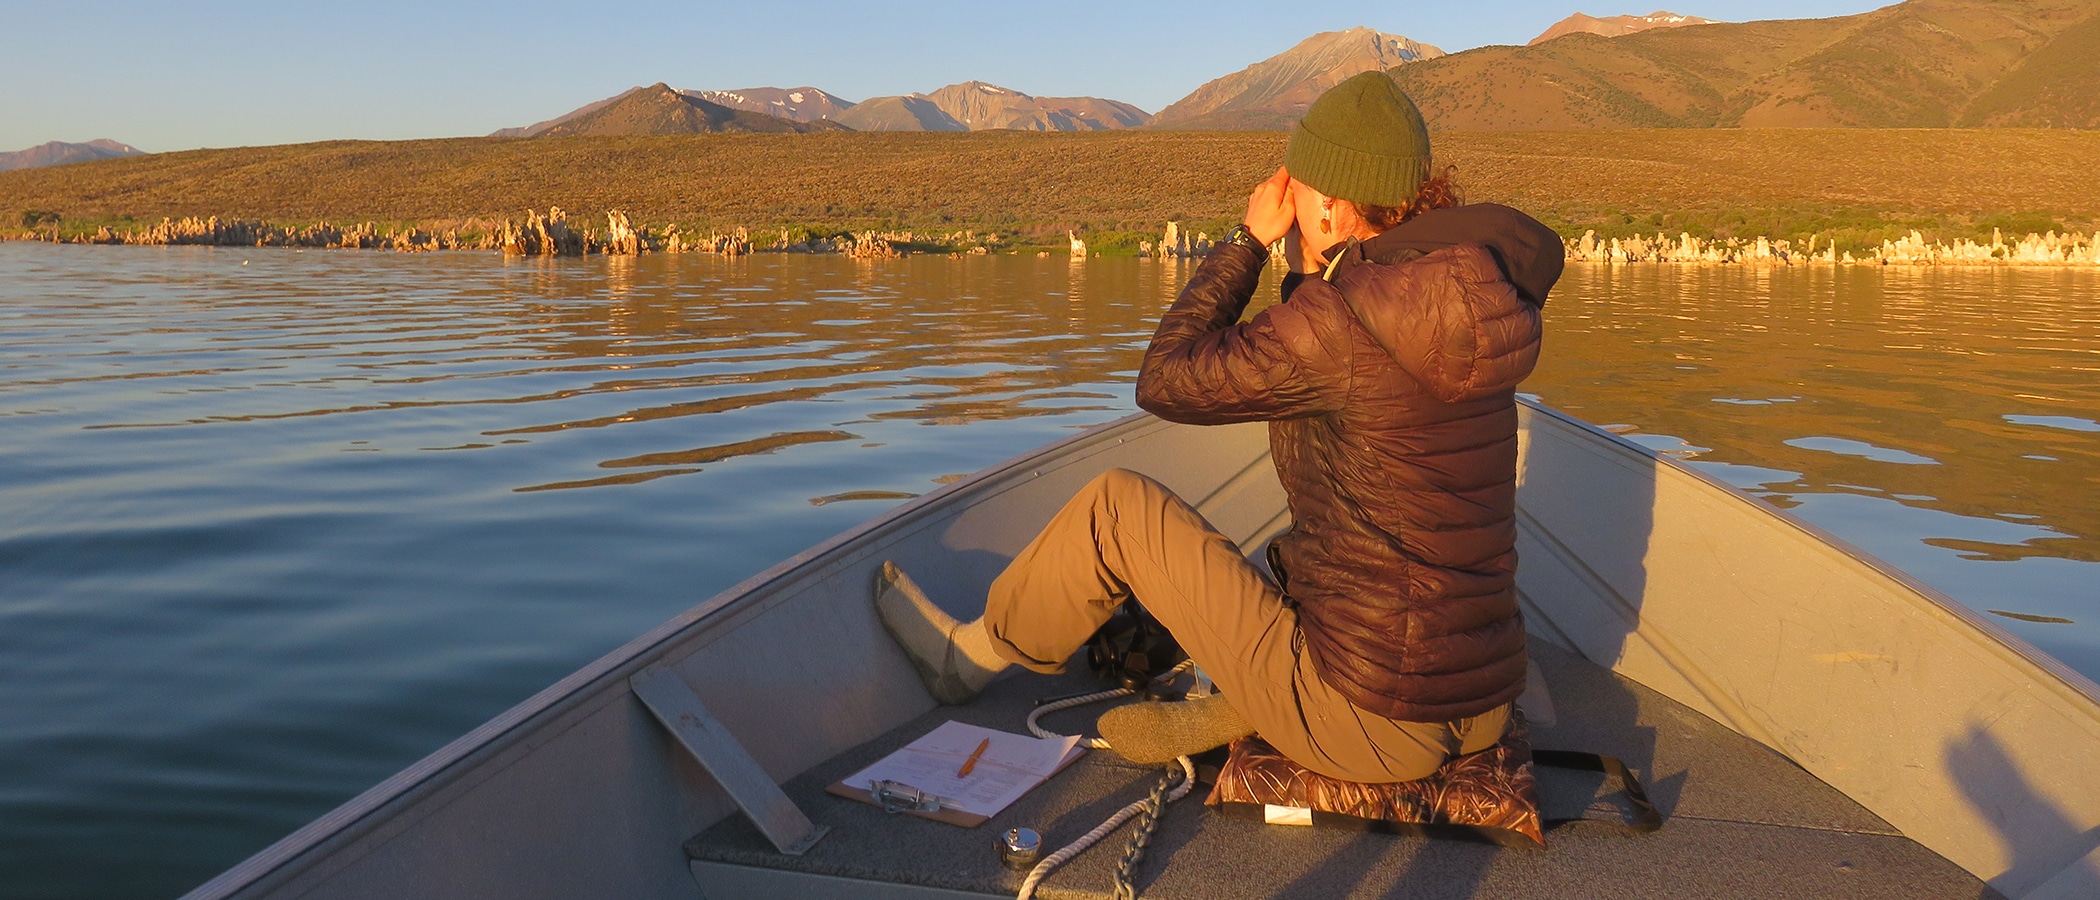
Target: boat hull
1944,725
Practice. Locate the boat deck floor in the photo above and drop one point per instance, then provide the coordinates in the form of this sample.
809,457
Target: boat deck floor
1739,821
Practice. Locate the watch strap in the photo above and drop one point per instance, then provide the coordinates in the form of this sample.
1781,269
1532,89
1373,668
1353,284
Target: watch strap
1242,236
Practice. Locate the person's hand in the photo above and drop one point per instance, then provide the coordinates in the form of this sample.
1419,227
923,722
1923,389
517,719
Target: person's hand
1270,213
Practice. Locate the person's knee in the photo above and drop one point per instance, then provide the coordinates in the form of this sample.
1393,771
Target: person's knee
1122,485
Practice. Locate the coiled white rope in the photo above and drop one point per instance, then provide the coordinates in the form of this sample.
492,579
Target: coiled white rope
1050,863
1108,826
1096,697
1068,703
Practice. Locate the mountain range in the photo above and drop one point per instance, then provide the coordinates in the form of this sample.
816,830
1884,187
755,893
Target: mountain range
660,109
979,106
1616,26
1270,94
1917,64
802,104
58,153
969,106
1273,93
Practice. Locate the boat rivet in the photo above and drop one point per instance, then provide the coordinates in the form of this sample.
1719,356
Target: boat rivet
1019,848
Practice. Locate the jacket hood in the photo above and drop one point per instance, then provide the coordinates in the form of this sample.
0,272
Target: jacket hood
1449,319
1453,295
1529,255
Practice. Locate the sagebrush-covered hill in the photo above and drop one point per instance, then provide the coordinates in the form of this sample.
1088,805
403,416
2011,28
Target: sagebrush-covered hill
1918,64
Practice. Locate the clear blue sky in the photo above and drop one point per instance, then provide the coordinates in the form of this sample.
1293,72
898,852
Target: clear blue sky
172,76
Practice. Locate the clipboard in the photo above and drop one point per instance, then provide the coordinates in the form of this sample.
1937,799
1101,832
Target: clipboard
944,814
1011,766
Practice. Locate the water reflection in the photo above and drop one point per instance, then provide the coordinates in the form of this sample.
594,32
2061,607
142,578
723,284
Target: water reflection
1937,418
1861,449
276,530
967,340
2067,423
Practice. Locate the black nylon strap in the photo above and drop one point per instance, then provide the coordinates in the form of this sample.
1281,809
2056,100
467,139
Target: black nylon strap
1645,817
1244,236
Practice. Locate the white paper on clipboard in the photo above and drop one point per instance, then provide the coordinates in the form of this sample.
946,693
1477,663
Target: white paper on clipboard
1010,765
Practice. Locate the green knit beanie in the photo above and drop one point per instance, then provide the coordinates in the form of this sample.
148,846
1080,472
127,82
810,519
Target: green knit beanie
1363,141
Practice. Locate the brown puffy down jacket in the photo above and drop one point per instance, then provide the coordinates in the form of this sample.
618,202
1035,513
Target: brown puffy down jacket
1390,389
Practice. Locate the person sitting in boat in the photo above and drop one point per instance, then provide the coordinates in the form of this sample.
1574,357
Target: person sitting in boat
1388,378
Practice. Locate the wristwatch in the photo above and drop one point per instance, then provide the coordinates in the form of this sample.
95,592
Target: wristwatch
1245,238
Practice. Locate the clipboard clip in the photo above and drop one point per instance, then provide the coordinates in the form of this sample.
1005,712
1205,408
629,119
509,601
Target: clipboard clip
898,797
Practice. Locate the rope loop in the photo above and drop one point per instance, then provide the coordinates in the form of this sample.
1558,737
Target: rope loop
1154,806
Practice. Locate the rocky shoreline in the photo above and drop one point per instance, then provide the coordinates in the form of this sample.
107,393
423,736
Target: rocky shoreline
537,235
552,234
1914,249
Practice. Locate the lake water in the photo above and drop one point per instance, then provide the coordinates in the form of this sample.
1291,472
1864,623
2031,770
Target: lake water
278,523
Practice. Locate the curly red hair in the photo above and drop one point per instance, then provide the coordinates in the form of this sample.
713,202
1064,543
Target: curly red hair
1438,192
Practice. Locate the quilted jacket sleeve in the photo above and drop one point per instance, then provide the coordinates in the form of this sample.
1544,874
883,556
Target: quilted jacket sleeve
1205,367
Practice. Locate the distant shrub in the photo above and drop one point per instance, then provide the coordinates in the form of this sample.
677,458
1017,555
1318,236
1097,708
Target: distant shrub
2018,224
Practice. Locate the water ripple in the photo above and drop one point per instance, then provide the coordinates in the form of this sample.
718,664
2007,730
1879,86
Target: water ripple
247,570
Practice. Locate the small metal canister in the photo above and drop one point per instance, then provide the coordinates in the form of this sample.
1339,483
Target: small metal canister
1020,848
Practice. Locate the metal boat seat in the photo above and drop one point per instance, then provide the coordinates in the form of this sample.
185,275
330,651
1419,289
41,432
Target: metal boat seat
1741,822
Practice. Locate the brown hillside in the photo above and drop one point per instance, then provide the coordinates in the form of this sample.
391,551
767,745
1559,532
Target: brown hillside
1909,66
1741,181
982,106
1916,64
537,128
2057,86
913,112
660,109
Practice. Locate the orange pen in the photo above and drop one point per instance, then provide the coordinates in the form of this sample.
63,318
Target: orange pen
971,763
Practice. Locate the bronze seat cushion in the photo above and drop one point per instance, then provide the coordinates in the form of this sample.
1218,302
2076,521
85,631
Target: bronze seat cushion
1490,795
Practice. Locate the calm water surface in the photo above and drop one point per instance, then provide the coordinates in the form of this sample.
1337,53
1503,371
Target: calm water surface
275,524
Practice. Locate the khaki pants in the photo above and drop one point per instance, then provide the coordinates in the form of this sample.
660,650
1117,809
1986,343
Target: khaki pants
1126,535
